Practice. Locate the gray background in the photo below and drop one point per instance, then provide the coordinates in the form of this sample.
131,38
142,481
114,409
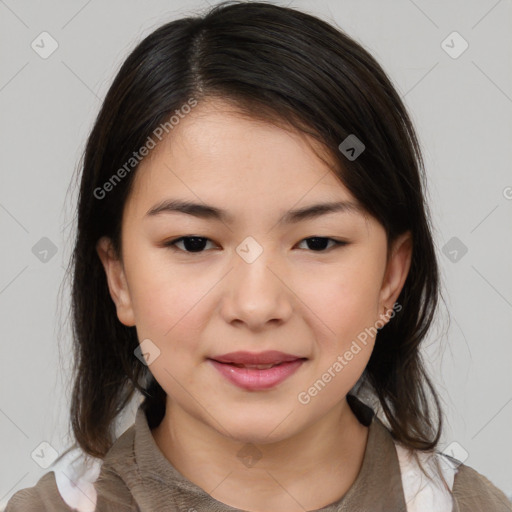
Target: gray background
462,111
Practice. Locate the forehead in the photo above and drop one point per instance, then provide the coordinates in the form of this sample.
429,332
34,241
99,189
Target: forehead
218,155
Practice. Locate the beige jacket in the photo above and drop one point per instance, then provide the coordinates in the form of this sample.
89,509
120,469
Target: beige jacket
136,477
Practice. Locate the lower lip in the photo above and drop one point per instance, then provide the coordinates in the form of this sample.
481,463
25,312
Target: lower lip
253,379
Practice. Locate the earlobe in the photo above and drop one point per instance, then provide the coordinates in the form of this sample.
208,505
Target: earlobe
397,270
116,279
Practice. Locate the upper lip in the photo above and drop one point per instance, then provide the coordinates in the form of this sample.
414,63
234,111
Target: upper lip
267,357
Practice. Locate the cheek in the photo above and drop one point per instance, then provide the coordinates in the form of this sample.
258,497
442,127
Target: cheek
344,309
170,312
342,323
345,299
167,304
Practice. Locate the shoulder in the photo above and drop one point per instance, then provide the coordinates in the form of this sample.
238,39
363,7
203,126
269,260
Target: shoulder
43,496
472,491
110,495
427,480
433,481
79,483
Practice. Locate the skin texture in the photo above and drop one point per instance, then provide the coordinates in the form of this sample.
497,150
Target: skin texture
293,298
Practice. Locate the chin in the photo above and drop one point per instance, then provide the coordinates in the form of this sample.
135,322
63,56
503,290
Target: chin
257,438
258,429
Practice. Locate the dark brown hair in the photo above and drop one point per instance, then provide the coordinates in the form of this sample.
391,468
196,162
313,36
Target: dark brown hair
276,63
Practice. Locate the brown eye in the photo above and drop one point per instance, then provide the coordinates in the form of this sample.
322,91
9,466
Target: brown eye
319,243
191,244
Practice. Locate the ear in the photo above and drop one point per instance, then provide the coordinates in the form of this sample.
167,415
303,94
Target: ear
396,271
116,279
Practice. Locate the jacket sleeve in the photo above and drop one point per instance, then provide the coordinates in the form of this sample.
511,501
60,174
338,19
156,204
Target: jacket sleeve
473,492
113,496
44,496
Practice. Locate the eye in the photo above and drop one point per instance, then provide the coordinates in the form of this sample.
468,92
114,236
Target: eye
192,244
196,244
318,243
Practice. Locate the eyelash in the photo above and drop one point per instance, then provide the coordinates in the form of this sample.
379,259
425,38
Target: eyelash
171,244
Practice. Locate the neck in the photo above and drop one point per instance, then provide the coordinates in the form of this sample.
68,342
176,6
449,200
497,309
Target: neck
309,470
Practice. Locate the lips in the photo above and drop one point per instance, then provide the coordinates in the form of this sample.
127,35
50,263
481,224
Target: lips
255,359
257,371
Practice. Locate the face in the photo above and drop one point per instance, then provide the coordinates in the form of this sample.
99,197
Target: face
255,276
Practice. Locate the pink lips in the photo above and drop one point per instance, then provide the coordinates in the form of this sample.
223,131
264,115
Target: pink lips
240,368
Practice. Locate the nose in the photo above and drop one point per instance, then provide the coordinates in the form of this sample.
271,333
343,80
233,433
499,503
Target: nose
256,293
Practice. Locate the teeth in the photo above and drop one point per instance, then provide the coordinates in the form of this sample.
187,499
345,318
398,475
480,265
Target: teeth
258,366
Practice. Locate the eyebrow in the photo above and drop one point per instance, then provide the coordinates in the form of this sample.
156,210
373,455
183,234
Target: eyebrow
209,212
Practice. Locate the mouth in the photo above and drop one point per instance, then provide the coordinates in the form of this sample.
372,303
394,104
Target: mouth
254,359
257,371
257,366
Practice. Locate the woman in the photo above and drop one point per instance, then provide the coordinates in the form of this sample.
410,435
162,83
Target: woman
254,256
